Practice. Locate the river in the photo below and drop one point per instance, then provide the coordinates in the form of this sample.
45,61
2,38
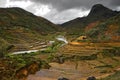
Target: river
57,70
59,38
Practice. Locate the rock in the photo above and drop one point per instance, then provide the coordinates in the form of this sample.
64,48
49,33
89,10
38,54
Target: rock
63,78
91,78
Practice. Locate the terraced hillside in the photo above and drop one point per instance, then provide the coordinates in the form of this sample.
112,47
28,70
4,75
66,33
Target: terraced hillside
21,28
79,61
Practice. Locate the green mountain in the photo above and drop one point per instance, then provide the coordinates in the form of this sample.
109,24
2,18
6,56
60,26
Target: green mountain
12,17
98,14
21,28
101,24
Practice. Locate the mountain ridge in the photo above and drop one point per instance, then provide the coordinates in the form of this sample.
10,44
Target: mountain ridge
98,15
18,16
95,12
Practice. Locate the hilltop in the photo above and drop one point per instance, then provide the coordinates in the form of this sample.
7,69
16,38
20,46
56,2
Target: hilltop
12,17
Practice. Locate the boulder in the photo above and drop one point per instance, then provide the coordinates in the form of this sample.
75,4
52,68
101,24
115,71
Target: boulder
91,78
63,78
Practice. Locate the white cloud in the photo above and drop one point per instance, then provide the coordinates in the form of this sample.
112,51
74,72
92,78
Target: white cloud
118,8
22,4
2,3
41,10
61,17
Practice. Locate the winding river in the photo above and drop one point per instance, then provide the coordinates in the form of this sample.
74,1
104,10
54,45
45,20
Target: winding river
57,70
59,38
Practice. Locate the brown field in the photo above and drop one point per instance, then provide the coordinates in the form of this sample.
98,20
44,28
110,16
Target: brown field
80,70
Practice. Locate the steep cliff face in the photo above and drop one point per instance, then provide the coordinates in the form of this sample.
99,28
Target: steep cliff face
25,71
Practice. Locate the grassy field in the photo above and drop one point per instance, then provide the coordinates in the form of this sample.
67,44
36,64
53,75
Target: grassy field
115,76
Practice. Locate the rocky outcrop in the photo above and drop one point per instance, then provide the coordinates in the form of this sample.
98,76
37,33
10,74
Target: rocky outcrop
91,78
63,78
30,69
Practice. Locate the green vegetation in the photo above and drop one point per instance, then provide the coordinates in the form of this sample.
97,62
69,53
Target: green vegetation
18,17
115,51
91,57
18,26
115,76
101,27
12,66
100,32
53,48
4,47
104,66
60,58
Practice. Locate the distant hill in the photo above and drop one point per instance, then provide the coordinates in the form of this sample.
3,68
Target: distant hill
12,17
101,23
98,13
18,26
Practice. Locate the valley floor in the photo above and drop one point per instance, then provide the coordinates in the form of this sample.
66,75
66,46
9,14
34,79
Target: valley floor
76,69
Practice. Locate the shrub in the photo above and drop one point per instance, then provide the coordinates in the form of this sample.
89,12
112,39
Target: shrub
93,33
104,66
115,76
3,47
115,51
91,57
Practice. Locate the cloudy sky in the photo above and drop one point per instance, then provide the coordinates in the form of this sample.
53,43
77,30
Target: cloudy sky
59,11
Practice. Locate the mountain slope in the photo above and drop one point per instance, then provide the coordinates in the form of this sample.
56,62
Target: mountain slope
108,30
22,28
98,13
10,17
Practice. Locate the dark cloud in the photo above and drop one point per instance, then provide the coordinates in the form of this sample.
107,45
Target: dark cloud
64,10
115,3
68,4
61,5
65,16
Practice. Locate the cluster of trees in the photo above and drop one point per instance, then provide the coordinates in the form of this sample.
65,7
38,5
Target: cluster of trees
4,47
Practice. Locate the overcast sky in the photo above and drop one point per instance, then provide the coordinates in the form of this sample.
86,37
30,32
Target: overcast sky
59,11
